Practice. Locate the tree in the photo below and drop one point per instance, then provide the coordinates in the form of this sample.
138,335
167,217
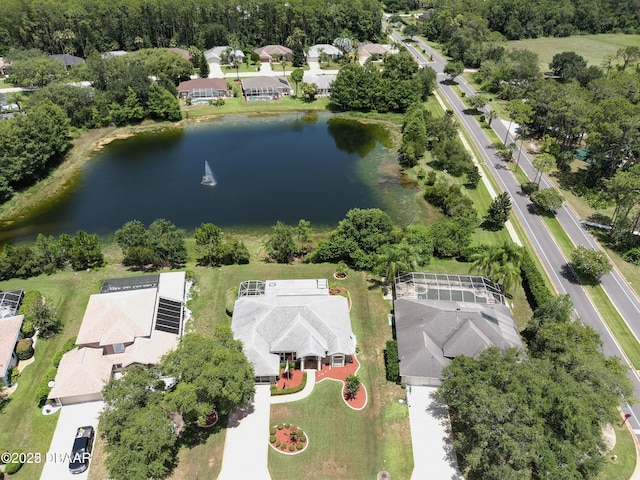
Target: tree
453,69
167,243
281,245
36,71
567,65
548,200
43,316
209,240
491,115
133,110
500,264
141,442
499,211
426,79
163,105
344,44
296,76
296,43
543,163
628,55
477,102
211,374
395,259
83,251
589,265
411,30
309,91
303,236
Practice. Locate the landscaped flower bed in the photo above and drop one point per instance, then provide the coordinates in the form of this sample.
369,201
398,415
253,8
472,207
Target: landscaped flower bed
288,438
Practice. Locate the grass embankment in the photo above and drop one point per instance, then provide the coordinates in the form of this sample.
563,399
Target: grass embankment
625,454
594,48
240,105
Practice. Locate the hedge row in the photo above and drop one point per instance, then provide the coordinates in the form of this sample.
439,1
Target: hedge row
42,392
533,282
68,346
391,361
29,298
275,391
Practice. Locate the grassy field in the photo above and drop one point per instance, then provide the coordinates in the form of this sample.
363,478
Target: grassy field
625,450
239,105
594,48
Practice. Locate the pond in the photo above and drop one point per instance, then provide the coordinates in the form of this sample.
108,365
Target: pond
269,168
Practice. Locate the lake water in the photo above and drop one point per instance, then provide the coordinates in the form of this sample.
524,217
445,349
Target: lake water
284,167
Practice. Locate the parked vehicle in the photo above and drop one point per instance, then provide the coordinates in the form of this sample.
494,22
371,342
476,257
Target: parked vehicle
81,451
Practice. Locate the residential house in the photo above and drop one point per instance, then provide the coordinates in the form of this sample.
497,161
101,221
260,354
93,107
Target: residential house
224,55
323,82
440,316
374,50
68,60
316,50
274,53
201,90
135,320
10,332
264,88
292,320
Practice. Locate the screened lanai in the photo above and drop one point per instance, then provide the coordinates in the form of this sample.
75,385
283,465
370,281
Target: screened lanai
447,287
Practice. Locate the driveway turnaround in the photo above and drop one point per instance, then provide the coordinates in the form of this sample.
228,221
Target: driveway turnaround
433,454
247,441
57,458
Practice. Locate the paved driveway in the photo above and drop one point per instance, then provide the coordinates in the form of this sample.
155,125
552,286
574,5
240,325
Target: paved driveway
71,417
433,455
247,441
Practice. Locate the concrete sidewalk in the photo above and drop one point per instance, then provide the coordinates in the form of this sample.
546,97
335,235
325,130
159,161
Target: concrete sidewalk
247,441
304,393
433,455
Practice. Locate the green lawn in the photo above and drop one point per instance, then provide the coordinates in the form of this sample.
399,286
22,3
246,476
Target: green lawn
239,105
625,450
594,48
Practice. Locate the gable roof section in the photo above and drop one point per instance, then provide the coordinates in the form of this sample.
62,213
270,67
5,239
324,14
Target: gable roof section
315,50
118,317
82,371
215,53
316,325
274,50
432,332
9,332
274,83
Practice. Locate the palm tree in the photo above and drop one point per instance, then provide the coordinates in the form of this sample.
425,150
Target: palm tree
491,115
500,264
394,259
236,65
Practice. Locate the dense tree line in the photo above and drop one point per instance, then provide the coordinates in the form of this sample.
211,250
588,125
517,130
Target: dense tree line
517,19
49,255
400,84
540,413
81,27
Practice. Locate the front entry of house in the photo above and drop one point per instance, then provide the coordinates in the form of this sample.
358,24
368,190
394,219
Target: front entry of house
310,363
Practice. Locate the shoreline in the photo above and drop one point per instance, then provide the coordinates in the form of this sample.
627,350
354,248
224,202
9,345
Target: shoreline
87,143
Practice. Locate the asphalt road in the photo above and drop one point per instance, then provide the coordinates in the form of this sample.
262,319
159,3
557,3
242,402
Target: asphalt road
549,253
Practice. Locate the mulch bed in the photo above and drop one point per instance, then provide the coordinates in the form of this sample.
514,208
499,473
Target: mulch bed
341,374
282,436
292,379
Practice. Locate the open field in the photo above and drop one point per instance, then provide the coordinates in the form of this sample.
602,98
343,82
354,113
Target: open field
625,450
594,48
239,105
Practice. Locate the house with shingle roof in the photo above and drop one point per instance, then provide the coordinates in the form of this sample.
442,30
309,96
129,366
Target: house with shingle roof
295,320
201,90
10,331
323,82
316,50
223,55
134,322
439,317
274,53
264,88
375,50
68,60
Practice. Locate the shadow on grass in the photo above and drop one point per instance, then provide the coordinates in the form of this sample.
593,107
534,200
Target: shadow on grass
194,435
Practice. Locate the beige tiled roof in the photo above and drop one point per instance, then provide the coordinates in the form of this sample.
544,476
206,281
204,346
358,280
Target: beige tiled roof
118,317
9,331
83,371
149,350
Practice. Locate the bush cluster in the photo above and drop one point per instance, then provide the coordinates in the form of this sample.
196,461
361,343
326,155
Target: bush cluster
272,439
28,330
42,392
24,349
67,347
391,361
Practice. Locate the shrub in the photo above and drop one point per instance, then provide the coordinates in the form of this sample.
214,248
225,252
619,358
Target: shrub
28,330
29,298
303,439
533,282
287,425
42,392
272,431
529,187
15,374
272,439
299,446
391,361
353,386
292,448
280,426
24,349
285,391
633,256
278,443
13,467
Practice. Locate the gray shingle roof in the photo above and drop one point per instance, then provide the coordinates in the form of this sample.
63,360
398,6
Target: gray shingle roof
308,325
432,332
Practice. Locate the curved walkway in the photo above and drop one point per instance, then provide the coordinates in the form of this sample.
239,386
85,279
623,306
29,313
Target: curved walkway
304,393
